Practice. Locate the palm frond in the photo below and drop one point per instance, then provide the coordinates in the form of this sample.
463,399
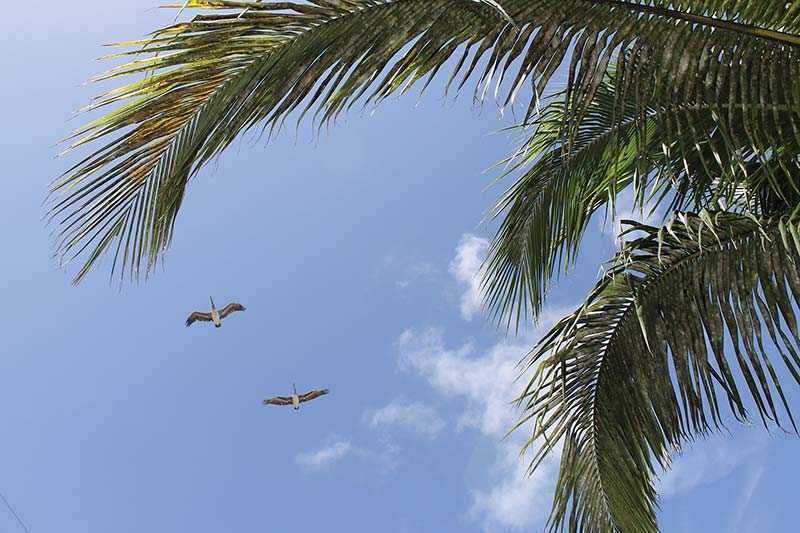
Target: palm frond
686,153
249,64
500,9
221,74
688,318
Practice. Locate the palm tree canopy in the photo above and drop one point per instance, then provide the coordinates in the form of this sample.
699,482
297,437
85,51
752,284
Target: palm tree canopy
642,367
201,83
688,153
692,103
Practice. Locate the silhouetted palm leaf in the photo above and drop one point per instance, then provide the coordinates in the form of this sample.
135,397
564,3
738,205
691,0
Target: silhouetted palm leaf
689,316
253,64
685,153
691,102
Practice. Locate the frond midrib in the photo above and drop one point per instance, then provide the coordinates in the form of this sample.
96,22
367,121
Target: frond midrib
189,121
738,27
593,430
620,128
624,316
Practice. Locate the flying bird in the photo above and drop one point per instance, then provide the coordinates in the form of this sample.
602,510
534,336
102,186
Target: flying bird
295,400
215,315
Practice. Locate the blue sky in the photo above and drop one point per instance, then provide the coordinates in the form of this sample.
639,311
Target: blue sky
354,255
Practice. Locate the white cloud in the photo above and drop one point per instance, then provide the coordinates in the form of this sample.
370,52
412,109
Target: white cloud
385,459
408,271
516,500
470,253
708,461
415,273
485,380
755,519
333,451
337,448
416,417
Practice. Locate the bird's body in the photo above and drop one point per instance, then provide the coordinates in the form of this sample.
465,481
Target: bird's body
295,399
215,315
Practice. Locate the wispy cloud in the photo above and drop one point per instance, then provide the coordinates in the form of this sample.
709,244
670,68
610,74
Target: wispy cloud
755,521
337,448
515,500
470,253
415,273
485,380
708,461
415,417
408,271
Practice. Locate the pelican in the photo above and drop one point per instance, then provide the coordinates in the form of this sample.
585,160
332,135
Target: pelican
214,316
295,399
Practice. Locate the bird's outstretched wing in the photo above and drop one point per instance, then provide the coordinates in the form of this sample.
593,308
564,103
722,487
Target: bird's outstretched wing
230,308
313,394
278,400
194,317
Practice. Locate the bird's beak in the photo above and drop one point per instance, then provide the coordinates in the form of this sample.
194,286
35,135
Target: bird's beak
212,301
